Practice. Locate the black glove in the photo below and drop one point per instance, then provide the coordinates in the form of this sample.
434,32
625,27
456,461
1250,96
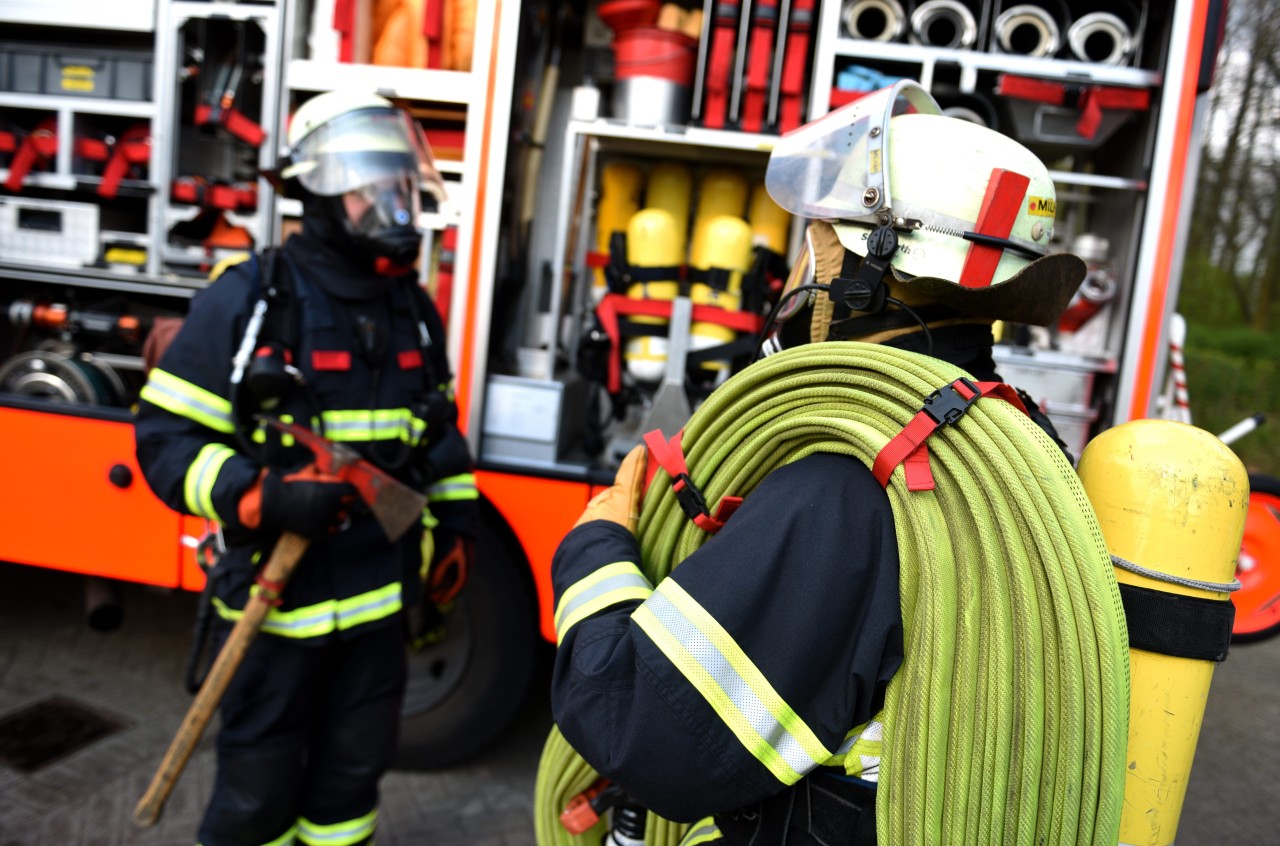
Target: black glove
306,502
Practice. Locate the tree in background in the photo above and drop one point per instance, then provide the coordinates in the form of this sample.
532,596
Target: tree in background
1233,260
1230,289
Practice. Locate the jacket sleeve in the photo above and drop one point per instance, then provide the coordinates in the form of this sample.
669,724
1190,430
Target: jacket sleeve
451,494
184,436
749,665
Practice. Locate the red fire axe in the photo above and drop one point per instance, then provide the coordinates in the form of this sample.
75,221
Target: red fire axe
395,506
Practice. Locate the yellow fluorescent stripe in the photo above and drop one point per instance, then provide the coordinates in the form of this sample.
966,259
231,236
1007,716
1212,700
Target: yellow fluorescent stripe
703,831
285,839
608,571
201,475
185,399
613,597
338,834
609,585
377,425
323,617
715,695
715,633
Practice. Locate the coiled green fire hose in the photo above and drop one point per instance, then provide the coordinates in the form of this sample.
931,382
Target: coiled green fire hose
1008,719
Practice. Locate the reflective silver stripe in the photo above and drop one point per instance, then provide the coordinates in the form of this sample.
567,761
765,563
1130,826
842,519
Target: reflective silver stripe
703,831
609,585
733,695
201,477
379,425
345,833
186,399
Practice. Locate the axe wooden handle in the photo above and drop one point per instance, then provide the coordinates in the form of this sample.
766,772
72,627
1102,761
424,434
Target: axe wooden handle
284,558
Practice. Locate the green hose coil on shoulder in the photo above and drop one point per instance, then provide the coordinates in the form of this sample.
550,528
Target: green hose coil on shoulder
1008,720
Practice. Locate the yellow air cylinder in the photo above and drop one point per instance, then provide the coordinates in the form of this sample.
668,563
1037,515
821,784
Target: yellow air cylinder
722,191
724,242
670,189
769,221
652,241
620,185
1171,498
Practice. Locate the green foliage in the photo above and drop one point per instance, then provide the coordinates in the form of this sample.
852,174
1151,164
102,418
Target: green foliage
1231,374
1206,293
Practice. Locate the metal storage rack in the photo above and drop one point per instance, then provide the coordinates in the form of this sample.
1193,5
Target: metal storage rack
163,269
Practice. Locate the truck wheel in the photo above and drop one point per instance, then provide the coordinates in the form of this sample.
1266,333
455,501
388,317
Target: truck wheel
1258,567
463,691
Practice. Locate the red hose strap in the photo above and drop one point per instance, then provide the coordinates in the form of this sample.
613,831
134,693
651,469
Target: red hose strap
670,456
269,591
1090,100
134,147
945,405
242,127
612,305
41,144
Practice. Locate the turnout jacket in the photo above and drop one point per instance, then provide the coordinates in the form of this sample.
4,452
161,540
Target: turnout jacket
761,659
368,381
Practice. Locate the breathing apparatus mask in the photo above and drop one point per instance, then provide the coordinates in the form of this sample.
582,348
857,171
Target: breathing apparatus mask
956,216
364,167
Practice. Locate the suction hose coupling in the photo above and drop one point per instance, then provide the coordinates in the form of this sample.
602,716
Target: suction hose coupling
873,20
1100,38
948,24
1028,30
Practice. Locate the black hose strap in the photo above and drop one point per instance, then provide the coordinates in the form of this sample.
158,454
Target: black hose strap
1176,624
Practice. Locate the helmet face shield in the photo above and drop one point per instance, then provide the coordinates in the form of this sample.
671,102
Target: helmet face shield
836,168
392,201
363,147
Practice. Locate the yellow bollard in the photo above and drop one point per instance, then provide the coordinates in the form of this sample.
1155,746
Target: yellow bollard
1171,498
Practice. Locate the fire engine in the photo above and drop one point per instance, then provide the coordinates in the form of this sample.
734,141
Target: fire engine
132,135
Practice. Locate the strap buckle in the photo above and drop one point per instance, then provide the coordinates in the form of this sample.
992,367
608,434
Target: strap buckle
691,500
948,404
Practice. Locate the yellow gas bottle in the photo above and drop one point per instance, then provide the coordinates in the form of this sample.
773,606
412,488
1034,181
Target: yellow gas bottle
722,191
769,221
670,188
652,241
1170,499
620,185
723,242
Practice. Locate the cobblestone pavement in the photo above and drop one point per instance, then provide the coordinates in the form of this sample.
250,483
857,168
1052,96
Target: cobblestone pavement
132,674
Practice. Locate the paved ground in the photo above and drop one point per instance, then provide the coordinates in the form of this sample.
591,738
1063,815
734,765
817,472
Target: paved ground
86,799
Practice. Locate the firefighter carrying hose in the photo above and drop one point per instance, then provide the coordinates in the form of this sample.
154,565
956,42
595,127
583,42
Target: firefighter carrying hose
330,331
891,639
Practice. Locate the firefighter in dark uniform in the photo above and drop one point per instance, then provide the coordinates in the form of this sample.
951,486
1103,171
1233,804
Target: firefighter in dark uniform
333,332
799,591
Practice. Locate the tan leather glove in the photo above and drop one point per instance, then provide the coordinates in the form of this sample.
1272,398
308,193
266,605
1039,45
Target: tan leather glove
620,503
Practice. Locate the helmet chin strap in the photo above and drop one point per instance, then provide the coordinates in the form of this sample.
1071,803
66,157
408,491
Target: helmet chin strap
861,289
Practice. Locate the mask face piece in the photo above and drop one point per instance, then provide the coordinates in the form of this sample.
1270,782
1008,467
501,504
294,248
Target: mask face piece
383,218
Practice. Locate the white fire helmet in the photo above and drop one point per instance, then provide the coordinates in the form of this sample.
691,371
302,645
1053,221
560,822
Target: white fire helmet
344,141
973,209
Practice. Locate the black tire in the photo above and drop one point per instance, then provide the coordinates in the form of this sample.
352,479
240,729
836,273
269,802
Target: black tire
464,691
1270,485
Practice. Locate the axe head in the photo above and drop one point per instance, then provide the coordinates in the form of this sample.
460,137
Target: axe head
395,505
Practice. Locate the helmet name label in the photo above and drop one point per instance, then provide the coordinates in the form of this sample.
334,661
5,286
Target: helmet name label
1042,206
